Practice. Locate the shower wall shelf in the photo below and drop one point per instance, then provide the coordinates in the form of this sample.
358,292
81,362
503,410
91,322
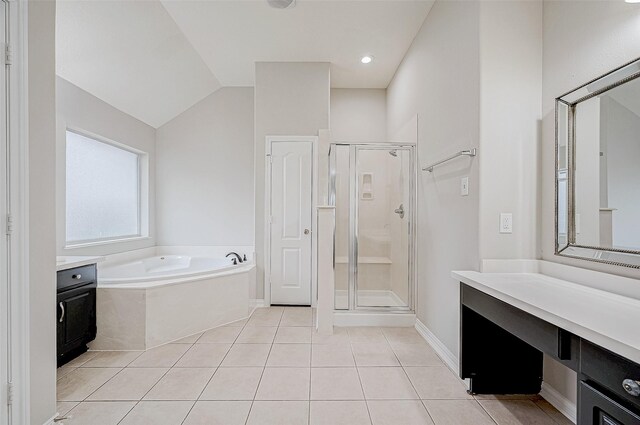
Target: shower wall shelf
469,153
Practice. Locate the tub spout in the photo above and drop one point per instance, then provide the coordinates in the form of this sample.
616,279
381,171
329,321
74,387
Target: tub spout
238,258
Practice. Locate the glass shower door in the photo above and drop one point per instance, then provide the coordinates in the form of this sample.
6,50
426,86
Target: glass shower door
383,225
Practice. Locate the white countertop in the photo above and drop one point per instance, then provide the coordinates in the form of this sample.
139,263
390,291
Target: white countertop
71,261
608,320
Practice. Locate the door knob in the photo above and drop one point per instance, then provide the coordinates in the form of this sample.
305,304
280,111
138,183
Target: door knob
307,231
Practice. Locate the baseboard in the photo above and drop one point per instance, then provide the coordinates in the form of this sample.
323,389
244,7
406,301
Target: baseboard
450,359
51,421
256,303
559,401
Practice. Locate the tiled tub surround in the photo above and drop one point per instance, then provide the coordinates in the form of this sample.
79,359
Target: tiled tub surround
143,315
273,369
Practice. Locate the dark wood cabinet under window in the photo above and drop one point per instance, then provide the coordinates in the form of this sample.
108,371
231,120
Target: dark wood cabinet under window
76,311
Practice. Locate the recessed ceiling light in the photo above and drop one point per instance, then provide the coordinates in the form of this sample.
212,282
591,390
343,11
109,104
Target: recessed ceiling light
632,1
367,59
282,4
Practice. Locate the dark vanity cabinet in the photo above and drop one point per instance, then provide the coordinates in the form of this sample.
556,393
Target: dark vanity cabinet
76,307
502,351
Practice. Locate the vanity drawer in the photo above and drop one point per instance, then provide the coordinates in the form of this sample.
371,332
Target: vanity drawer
610,370
71,278
597,408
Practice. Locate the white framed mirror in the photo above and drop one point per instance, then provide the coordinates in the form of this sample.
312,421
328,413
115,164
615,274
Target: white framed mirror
598,169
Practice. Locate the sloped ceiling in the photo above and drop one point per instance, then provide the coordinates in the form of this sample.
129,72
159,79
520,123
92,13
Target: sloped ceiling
132,55
232,35
153,59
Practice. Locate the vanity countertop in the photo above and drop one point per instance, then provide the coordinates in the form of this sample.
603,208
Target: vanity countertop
604,318
70,261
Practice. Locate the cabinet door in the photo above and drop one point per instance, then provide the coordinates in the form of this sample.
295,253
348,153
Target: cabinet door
79,311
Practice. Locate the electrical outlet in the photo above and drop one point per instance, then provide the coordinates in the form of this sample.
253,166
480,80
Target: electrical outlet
506,223
464,186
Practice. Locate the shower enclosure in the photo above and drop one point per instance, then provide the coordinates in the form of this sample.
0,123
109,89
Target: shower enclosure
372,187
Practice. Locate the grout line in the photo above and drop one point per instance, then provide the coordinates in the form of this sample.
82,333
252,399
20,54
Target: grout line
263,369
173,366
424,406
216,369
364,396
486,411
310,369
154,385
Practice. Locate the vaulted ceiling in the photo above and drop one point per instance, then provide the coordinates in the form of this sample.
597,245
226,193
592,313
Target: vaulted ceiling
154,59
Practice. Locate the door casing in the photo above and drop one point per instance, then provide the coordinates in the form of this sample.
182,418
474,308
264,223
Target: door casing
17,316
269,140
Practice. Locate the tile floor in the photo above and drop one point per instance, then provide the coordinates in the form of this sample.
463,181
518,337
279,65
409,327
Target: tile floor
272,369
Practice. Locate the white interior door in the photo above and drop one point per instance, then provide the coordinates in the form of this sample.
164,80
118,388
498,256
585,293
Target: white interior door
290,230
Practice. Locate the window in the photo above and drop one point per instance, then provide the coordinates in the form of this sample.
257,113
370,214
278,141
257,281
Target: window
103,191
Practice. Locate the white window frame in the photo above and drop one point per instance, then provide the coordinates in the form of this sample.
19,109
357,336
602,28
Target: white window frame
143,193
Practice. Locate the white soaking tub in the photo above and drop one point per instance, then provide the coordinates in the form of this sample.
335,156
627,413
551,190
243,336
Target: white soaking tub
150,301
161,270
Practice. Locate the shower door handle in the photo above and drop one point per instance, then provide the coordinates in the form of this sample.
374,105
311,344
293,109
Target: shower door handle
400,211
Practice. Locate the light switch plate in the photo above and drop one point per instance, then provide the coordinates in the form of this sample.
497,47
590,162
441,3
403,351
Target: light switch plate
464,186
506,223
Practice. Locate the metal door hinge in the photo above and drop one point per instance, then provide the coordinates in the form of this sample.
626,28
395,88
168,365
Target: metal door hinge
9,393
9,227
8,54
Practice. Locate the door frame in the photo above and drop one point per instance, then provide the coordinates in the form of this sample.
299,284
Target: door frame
353,212
17,318
269,140
412,218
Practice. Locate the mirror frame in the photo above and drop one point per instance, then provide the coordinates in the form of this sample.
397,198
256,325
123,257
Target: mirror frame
613,256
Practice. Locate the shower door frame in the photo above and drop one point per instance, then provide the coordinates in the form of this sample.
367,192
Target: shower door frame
354,197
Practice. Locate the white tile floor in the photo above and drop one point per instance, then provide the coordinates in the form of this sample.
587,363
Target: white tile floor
273,370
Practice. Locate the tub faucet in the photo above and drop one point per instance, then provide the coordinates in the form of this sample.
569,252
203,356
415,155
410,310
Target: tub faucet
238,257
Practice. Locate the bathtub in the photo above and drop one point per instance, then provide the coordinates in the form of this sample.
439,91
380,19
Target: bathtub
150,300
163,270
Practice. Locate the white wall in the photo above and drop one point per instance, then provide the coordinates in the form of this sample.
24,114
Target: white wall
439,81
204,172
291,98
42,202
359,115
473,76
82,111
510,114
